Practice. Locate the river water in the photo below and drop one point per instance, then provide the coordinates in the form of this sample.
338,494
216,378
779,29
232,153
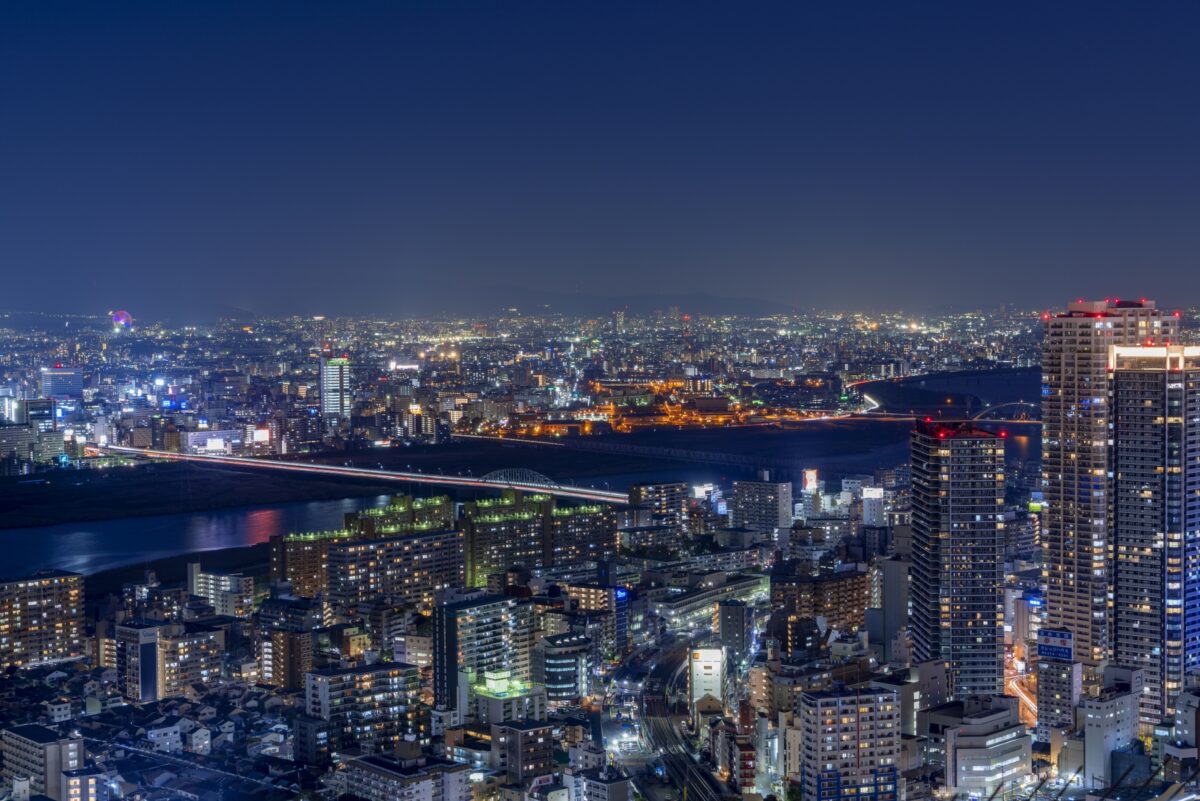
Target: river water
104,544
835,447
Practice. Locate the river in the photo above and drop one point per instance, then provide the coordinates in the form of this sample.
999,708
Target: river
835,447
93,547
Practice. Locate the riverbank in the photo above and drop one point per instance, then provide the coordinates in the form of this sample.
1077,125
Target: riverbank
252,561
161,488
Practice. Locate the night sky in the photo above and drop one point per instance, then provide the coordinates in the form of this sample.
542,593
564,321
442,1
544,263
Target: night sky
180,158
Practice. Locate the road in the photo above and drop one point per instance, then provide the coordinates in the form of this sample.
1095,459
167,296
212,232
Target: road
577,493
1028,702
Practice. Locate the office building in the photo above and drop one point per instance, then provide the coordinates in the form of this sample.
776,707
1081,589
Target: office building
1059,683
41,618
1075,460
231,594
476,635
958,554
1155,410
369,707
987,750
1110,721
337,399
706,675
61,382
844,744
40,755
562,663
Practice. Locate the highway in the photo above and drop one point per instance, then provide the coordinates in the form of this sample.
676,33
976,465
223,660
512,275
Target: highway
663,736
576,493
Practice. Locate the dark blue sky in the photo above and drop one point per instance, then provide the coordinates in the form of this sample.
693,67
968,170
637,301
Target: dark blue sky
402,157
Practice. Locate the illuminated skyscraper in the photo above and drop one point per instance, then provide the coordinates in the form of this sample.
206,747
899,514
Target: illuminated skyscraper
1155,403
336,396
958,554
1075,466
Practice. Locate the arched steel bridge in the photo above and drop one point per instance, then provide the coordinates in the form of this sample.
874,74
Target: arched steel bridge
522,480
1011,405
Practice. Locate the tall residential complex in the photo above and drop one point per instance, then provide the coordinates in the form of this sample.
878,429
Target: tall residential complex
533,532
366,707
958,554
764,506
1155,408
475,635
845,744
41,618
1075,459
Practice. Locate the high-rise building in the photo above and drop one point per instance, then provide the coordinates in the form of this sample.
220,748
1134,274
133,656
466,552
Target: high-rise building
284,657
764,506
188,654
40,414
581,534
368,707
1075,460
504,532
958,554
1155,410
62,382
137,659
476,635
667,503
337,398
302,559
1059,683
41,618
831,764
735,627
40,755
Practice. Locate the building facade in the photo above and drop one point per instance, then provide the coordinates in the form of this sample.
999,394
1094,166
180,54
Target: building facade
958,554
1075,460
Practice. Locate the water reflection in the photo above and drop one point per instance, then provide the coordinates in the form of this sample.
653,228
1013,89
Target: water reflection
105,544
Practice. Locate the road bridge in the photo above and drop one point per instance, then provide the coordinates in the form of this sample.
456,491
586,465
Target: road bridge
516,480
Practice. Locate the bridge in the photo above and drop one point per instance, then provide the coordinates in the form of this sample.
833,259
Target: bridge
987,413
521,480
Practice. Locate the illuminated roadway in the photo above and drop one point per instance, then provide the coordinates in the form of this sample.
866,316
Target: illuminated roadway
1028,702
577,493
